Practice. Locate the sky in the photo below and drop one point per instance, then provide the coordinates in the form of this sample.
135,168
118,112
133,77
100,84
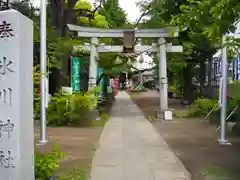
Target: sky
128,5
131,9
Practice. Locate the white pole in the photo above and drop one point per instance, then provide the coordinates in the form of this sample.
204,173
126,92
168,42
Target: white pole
163,84
43,66
223,137
220,92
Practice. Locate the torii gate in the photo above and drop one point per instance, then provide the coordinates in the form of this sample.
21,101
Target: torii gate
129,36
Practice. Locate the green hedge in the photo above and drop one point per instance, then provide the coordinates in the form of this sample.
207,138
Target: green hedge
75,109
231,104
234,89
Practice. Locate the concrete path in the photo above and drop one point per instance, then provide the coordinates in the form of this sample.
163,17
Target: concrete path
131,149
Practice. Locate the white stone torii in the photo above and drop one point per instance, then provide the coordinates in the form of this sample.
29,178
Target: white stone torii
161,47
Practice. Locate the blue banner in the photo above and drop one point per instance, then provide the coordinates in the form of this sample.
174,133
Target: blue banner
100,72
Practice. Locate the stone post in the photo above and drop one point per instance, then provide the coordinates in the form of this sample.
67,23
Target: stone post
93,64
16,97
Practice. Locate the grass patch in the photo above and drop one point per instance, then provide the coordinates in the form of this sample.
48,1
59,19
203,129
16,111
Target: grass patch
180,115
104,117
216,173
150,118
77,174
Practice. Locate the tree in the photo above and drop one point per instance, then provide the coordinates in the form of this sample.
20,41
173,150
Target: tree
98,19
116,18
197,46
114,14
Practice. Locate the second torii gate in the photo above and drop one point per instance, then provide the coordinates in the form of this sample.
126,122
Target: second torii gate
129,35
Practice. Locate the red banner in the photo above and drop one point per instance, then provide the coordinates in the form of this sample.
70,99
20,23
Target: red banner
115,86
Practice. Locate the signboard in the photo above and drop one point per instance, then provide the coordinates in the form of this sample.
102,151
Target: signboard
236,69
75,79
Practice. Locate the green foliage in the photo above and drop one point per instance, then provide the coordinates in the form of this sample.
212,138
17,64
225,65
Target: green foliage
46,164
225,14
104,117
36,103
231,104
75,109
234,89
201,107
114,14
197,47
98,20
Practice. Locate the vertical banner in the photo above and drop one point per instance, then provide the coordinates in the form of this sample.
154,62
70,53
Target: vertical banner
238,70
234,69
75,78
100,72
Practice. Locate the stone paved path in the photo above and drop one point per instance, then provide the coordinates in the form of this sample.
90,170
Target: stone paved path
131,149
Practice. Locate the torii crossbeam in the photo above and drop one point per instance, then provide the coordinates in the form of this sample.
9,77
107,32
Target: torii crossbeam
161,47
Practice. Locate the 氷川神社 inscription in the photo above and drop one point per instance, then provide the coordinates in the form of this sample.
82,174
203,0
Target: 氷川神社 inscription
5,66
16,97
6,96
6,128
6,159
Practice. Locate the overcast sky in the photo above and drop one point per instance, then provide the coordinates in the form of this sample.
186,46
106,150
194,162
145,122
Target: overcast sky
128,5
131,9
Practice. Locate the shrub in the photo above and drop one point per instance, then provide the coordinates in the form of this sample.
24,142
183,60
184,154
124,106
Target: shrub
46,164
201,107
57,113
75,109
234,89
231,104
36,108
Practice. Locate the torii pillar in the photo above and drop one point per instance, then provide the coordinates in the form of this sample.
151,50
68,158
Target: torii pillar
163,81
93,65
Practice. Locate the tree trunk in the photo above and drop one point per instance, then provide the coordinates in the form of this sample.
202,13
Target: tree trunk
188,89
202,76
211,89
54,82
60,18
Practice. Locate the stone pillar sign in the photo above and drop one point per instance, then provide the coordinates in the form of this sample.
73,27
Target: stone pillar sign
16,97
